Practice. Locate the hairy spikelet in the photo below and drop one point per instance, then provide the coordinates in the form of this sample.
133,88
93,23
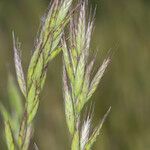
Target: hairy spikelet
18,66
85,132
98,77
96,132
81,30
78,80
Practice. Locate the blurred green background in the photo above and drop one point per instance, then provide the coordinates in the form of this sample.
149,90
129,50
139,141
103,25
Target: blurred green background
122,26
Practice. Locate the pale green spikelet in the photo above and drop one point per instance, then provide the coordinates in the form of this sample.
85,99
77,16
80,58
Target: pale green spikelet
96,132
98,77
8,129
69,108
18,66
67,61
79,87
22,131
29,133
9,136
79,75
85,88
81,31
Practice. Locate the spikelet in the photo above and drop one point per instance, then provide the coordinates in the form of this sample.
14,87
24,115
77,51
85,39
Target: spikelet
85,132
18,66
96,132
97,77
9,136
8,128
69,108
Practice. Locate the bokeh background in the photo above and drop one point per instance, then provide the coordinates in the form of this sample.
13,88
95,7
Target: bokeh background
122,26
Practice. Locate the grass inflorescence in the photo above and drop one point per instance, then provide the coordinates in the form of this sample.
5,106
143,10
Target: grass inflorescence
78,85
77,82
46,49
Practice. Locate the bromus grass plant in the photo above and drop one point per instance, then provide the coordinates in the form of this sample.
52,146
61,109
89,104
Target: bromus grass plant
77,82
46,49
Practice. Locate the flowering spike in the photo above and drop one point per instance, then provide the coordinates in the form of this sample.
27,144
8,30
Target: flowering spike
78,73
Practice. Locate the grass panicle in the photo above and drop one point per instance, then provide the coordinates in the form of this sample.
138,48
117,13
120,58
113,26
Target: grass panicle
78,85
46,49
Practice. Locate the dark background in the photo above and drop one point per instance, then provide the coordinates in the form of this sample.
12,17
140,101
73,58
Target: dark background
122,26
